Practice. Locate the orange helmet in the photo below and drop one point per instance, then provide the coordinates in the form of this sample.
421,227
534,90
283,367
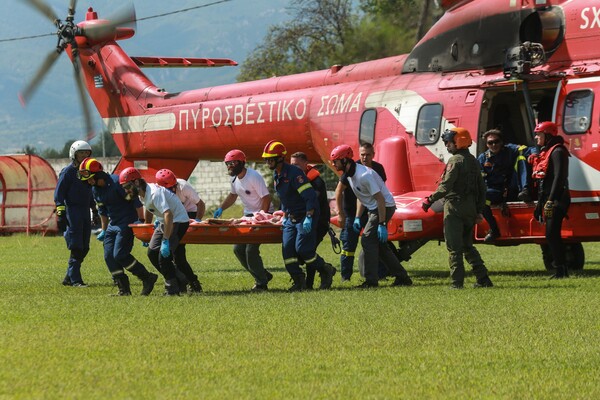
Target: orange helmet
460,136
235,155
166,178
274,149
546,127
88,168
340,152
129,174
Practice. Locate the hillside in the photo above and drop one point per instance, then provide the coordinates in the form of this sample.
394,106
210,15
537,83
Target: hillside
229,30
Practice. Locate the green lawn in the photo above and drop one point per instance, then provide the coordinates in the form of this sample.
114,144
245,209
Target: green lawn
528,337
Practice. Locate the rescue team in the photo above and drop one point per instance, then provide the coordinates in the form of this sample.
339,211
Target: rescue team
467,185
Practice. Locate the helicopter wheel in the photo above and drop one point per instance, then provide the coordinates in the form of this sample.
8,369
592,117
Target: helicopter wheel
574,256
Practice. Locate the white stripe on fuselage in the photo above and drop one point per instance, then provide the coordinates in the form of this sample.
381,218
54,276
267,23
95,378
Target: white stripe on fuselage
141,123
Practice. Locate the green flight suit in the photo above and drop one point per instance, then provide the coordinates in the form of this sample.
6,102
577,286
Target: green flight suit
463,188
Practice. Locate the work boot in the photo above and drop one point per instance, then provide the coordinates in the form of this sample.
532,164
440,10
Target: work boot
327,275
483,282
402,281
457,285
195,287
368,285
269,276
491,236
171,287
524,196
259,288
148,283
67,281
299,283
561,272
123,285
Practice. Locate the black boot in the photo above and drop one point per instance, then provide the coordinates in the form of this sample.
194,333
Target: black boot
299,283
171,287
402,280
195,287
483,282
123,285
327,273
561,272
148,283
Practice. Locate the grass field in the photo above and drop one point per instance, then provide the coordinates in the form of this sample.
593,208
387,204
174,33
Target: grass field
528,337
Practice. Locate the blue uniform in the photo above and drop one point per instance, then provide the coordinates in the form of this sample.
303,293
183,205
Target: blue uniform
504,172
118,240
76,196
297,197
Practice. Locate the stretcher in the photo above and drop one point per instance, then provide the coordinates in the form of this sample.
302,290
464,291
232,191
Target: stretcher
208,233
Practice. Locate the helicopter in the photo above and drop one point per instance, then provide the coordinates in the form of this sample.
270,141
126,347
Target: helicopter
483,64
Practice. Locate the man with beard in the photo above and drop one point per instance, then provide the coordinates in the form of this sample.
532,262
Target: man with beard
299,203
172,227
116,213
250,187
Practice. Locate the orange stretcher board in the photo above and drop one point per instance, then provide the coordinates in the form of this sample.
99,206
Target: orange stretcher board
201,233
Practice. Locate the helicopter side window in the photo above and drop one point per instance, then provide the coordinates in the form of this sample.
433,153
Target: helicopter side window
578,111
429,123
367,126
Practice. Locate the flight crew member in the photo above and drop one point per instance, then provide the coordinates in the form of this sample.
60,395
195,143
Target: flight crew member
374,197
250,187
73,199
551,171
195,208
346,205
464,190
501,164
299,203
173,225
300,160
116,213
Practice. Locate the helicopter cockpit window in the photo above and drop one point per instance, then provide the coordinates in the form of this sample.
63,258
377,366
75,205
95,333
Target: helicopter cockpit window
429,123
578,111
367,126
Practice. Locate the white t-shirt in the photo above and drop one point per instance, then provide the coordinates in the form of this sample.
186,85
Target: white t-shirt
365,184
158,200
250,189
188,195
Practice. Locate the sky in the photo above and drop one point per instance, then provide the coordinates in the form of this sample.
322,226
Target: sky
52,117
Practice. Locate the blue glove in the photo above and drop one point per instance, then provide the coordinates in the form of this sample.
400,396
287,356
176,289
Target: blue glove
218,212
164,248
356,225
156,224
145,244
307,224
198,220
382,233
101,235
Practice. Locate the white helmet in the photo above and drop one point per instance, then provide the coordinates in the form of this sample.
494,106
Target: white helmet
79,145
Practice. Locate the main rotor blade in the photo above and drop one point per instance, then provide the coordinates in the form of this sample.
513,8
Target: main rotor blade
26,94
43,8
123,18
89,129
73,5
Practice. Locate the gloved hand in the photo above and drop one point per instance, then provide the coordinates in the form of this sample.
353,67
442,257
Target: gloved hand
307,224
61,218
101,235
145,244
218,212
138,222
156,224
549,209
95,217
356,225
426,204
198,220
382,233
164,248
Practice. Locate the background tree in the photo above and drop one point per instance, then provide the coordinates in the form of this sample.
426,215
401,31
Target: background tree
110,148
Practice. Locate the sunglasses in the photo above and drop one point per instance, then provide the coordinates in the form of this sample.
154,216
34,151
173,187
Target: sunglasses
127,185
231,163
493,142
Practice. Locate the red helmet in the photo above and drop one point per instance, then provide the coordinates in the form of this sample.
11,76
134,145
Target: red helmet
235,155
460,136
88,168
129,174
166,178
274,149
341,152
546,127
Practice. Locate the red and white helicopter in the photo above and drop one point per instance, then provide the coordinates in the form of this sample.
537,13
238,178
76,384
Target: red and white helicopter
484,63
